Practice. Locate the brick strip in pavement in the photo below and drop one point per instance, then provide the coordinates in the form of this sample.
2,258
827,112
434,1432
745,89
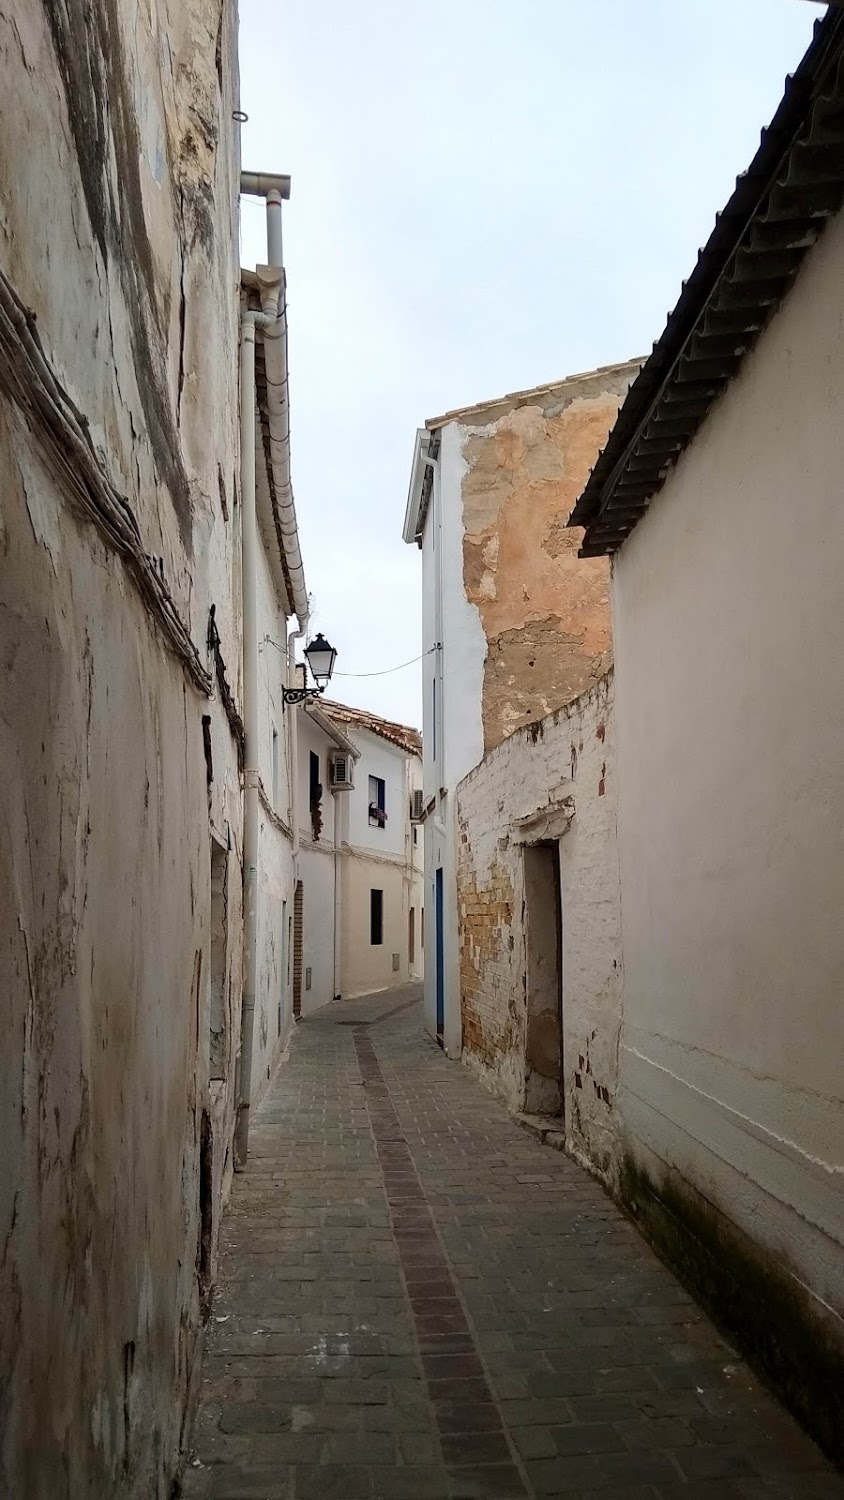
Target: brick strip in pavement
468,1421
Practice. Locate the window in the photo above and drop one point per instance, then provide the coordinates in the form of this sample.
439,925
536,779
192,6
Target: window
411,936
415,833
377,795
376,918
315,798
274,764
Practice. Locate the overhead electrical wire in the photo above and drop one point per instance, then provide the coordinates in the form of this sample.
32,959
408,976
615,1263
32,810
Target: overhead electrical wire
387,670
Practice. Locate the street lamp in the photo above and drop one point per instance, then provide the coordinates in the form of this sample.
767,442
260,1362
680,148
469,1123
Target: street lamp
320,657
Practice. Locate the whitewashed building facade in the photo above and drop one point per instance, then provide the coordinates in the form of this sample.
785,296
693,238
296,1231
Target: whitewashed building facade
359,919
718,498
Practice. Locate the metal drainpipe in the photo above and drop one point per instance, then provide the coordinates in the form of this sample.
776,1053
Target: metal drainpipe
295,635
334,923
293,749
249,550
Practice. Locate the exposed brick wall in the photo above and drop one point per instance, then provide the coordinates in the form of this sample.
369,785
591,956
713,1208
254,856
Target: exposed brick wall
298,935
490,1023
554,779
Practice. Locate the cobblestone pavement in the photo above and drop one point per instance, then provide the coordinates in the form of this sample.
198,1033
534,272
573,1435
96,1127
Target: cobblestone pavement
419,1300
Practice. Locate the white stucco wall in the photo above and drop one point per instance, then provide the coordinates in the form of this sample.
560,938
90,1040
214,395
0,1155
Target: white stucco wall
310,739
431,630
349,860
379,758
447,615
464,644
555,780
729,646
316,871
368,967
417,867
383,859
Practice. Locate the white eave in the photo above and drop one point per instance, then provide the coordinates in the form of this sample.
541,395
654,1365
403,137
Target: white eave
266,523
328,727
276,512
414,519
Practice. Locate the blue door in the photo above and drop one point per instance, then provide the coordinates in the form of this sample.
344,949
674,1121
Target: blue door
438,914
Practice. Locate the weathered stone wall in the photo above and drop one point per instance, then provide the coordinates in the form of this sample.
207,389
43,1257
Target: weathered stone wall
553,780
118,451
544,612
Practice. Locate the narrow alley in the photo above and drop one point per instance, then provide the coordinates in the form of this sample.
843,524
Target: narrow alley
417,1299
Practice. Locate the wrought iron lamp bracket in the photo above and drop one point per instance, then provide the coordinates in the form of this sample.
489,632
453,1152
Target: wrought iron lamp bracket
291,696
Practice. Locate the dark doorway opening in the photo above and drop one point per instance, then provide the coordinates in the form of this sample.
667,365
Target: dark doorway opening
544,1093
206,1213
218,1020
439,939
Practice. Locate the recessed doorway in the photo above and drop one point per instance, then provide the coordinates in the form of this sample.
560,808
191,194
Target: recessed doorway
543,942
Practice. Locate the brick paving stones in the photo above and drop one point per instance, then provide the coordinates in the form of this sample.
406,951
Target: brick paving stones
418,1301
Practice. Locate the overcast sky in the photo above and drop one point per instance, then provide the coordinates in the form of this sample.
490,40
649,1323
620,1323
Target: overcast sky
487,195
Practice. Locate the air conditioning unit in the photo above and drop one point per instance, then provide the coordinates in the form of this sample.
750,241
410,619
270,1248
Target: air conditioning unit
341,768
417,807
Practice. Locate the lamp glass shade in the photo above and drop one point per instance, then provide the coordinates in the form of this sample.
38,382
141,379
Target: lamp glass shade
320,657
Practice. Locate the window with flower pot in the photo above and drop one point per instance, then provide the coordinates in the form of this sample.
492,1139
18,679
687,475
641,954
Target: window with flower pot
377,797
315,789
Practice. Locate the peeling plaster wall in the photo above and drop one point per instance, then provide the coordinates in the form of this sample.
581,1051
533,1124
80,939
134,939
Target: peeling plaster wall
544,613
525,623
117,229
730,641
460,737
553,780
